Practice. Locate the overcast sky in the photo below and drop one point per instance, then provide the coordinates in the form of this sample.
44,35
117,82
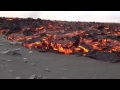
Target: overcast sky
98,16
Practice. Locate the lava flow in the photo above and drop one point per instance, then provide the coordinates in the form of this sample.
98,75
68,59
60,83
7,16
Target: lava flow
62,36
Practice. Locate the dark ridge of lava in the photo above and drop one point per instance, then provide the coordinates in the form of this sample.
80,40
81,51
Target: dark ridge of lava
100,41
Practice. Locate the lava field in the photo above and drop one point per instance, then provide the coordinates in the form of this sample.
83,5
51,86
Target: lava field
100,41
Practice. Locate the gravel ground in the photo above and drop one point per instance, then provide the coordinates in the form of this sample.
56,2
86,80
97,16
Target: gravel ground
32,64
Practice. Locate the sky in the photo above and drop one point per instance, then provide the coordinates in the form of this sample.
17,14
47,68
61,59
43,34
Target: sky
92,16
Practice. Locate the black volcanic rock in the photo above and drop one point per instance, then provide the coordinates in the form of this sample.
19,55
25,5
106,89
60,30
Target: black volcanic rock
48,35
14,29
103,56
28,32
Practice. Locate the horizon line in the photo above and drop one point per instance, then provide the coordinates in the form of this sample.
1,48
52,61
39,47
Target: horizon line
62,20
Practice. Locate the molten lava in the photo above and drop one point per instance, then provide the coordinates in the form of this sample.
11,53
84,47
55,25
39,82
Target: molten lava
64,37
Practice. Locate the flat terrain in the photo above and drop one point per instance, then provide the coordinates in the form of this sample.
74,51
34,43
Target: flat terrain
52,66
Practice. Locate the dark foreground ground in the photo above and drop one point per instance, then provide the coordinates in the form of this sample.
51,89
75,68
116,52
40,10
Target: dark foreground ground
52,65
